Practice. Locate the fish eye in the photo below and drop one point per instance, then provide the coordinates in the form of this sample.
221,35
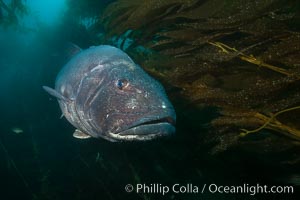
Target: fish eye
121,84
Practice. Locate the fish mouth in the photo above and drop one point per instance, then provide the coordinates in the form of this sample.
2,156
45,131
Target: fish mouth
147,130
169,120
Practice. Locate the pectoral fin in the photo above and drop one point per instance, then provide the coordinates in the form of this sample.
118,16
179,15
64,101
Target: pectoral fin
80,135
55,93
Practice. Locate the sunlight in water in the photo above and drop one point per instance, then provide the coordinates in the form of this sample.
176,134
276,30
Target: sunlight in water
47,11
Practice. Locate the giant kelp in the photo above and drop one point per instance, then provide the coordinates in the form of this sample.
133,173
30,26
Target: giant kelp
239,56
10,12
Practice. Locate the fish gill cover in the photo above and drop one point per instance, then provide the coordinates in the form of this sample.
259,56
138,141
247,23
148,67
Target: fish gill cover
230,68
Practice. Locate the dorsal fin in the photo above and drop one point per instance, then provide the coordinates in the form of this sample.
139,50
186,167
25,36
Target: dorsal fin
55,93
72,50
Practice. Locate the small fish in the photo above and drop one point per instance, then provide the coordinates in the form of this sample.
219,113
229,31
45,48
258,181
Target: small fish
98,158
17,130
104,94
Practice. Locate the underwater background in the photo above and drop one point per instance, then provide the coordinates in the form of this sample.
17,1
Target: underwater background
230,68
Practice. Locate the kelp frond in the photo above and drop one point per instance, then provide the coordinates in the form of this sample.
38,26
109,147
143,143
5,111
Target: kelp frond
272,123
251,59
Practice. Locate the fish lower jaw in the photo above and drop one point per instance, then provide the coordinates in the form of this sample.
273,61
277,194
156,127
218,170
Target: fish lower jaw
144,132
117,137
